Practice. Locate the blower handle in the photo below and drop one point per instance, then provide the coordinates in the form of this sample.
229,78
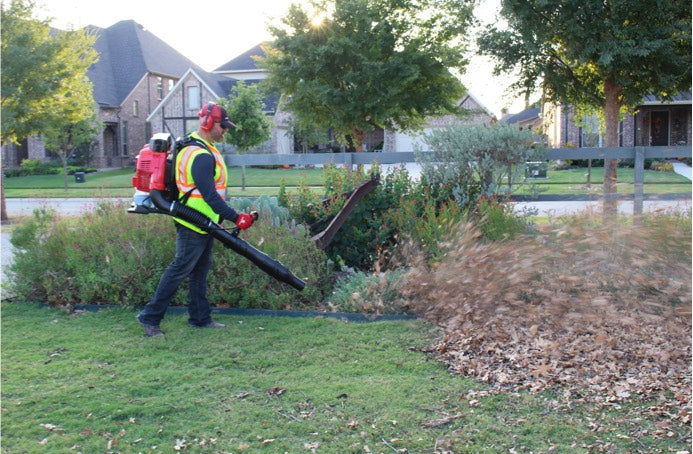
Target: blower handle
236,230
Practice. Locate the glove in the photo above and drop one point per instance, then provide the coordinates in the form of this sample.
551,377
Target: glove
244,221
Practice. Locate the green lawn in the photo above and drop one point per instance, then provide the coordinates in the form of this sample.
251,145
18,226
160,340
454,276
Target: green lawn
92,383
259,181
118,183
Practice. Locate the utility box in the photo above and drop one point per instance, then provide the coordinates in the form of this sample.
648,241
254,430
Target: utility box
535,169
79,177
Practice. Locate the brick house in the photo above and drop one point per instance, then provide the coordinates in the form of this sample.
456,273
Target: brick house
655,123
135,71
177,112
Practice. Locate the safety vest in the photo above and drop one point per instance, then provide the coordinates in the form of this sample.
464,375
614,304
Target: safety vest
186,184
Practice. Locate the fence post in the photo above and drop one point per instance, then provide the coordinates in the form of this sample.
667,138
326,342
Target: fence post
243,177
639,180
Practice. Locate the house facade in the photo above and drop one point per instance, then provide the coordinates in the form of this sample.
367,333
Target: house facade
655,123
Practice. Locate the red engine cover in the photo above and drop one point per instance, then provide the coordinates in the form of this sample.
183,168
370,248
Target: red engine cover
150,170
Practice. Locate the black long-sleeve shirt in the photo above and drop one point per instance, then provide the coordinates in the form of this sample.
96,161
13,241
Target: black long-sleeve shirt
203,175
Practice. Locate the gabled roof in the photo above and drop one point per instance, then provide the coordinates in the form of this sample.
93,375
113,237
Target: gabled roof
219,86
527,114
244,62
127,51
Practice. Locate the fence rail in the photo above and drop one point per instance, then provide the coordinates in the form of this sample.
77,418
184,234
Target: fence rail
638,154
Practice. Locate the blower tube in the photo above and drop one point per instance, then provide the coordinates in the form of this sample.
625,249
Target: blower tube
263,261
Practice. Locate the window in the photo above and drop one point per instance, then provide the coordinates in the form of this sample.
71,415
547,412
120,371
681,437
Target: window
160,87
170,84
589,132
193,97
124,130
135,108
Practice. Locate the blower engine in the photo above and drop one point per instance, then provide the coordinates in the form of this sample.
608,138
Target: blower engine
154,166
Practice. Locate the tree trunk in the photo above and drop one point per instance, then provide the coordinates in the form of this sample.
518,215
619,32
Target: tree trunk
64,159
612,108
357,136
3,206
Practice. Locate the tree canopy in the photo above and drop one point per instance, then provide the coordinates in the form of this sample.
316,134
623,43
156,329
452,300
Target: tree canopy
369,64
601,54
43,73
571,47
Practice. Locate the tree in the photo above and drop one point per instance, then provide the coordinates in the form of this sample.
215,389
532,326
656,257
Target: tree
246,110
599,54
307,135
369,64
63,137
43,74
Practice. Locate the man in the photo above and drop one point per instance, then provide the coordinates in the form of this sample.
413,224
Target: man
201,177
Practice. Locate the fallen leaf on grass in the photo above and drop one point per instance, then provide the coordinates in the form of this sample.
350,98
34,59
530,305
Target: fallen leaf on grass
276,391
441,421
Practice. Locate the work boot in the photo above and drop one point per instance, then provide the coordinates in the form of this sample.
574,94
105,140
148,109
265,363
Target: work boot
150,330
211,324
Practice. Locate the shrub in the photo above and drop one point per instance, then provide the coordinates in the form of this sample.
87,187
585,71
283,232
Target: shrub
498,222
32,167
112,257
370,293
661,166
472,161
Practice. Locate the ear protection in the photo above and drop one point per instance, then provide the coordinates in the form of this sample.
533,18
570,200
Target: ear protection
207,120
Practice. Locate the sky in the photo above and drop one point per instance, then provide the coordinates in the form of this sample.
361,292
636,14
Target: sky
211,34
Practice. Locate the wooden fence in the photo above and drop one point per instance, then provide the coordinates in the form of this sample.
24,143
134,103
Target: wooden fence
638,154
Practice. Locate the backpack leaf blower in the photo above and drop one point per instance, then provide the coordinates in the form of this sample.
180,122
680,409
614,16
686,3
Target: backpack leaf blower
155,192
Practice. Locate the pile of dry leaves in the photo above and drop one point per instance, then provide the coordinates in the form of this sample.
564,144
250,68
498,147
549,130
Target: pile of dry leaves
603,312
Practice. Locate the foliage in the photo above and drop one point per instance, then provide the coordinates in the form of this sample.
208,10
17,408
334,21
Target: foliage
246,110
369,64
32,167
572,46
497,221
364,235
661,166
469,161
368,293
43,74
304,205
40,167
112,257
269,211
64,135
307,135
419,222
397,211
590,53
